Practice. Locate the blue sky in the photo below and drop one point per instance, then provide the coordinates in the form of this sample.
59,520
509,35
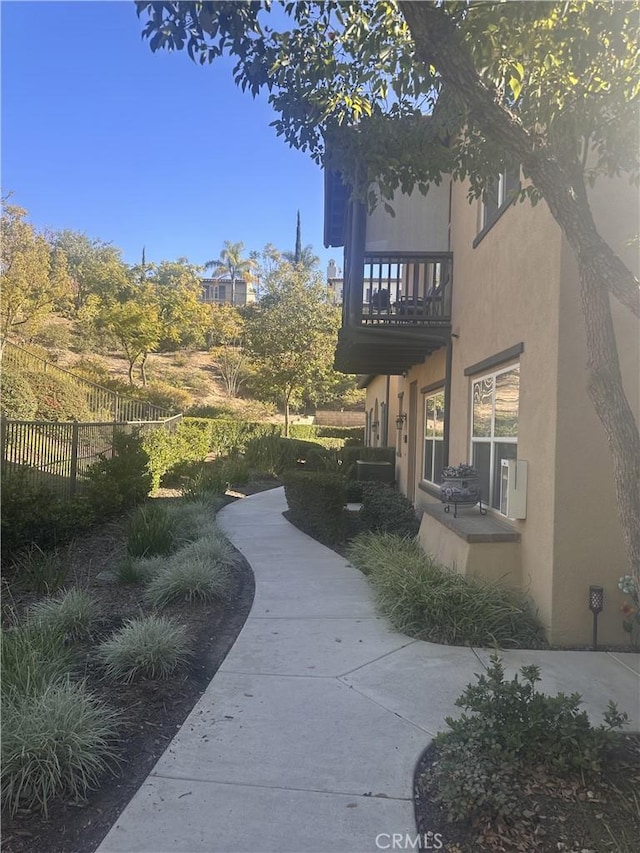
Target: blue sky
99,135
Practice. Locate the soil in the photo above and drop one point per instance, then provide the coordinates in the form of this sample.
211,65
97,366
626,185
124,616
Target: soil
152,710
590,815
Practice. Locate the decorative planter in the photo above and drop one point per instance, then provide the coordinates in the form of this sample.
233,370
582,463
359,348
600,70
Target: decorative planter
460,486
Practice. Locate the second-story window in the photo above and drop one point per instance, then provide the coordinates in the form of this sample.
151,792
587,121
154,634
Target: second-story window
434,437
499,193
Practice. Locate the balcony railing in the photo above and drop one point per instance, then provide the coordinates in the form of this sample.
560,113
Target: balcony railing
408,290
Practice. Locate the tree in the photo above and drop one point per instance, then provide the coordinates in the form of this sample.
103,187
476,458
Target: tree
304,256
136,326
228,351
177,289
551,86
232,264
33,275
94,267
291,336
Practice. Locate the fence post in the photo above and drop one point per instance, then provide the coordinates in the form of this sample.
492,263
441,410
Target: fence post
3,441
74,460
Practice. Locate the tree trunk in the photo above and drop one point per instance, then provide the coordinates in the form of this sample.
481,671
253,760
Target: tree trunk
601,271
143,369
131,363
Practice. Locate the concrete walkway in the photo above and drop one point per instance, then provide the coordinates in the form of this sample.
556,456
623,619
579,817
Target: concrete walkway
307,737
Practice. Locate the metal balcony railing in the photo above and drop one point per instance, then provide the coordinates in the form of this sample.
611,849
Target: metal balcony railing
403,290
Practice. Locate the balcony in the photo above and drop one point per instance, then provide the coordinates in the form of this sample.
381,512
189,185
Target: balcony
396,311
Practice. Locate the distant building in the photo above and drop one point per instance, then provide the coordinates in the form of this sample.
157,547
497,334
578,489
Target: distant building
224,291
334,283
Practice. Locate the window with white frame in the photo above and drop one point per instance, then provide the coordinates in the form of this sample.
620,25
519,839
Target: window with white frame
433,437
494,432
499,192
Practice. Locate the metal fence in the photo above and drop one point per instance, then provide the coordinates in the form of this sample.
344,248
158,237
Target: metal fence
103,403
58,454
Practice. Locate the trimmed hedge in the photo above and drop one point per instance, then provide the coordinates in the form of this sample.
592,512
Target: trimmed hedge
316,502
386,511
228,437
272,454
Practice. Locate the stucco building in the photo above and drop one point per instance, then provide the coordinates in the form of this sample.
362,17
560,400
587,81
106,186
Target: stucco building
224,291
465,322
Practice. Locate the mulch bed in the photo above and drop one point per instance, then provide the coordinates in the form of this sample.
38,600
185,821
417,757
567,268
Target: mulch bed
152,710
593,815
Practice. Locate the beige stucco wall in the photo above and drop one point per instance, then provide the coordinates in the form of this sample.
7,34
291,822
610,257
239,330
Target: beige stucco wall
519,285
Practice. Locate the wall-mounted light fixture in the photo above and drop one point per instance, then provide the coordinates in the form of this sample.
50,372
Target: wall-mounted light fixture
596,605
400,420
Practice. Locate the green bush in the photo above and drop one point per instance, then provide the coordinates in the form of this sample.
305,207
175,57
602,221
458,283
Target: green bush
316,501
32,657
165,396
70,614
151,646
510,729
58,398
386,511
55,742
121,481
32,515
199,571
17,400
430,602
189,442
151,531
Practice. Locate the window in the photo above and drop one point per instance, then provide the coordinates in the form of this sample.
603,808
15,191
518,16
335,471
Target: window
499,192
434,437
494,431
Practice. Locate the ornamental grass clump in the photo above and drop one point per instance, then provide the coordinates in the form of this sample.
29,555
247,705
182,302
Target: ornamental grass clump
150,646
201,571
32,656
71,613
508,728
430,602
150,531
56,742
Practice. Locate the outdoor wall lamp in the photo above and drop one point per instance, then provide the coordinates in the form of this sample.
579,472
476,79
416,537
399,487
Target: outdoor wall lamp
596,605
400,420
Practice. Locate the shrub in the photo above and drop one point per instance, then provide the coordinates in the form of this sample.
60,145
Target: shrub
150,531
56,742
33,515
71,614
206,482
32,657
191,518
17,401
386,511
350,454
165,396
58,398
511,727
189,442
430,602
151,646
41,571
316,501
200,571
54,336
121,481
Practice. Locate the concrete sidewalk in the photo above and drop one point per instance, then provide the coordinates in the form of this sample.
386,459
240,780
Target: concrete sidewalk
307,737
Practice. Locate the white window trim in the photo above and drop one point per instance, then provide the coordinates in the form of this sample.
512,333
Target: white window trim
487,500
425,437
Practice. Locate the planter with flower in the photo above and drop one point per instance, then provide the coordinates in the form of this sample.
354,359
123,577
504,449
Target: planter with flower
630,609
460,487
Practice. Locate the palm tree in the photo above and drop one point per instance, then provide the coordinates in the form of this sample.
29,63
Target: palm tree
232,264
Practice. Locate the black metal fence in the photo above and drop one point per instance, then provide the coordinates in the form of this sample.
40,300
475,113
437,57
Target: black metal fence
59,453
